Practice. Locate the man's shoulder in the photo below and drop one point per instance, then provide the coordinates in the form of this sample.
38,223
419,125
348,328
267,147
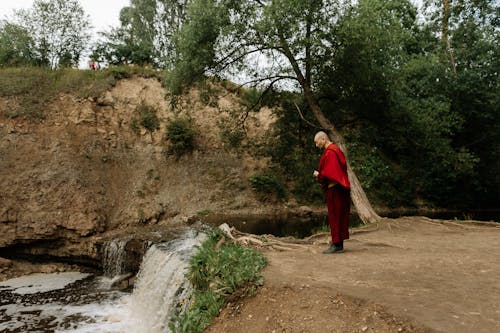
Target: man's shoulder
333,148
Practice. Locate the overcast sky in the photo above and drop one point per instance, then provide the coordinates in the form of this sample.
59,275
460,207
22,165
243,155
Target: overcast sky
103,13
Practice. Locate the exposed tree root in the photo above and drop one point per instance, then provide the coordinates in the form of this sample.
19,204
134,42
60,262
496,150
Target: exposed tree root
263,241
289,243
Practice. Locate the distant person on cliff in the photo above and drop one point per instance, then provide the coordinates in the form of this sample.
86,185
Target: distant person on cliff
332,175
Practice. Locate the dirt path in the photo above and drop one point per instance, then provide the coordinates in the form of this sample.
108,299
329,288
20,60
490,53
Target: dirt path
408,275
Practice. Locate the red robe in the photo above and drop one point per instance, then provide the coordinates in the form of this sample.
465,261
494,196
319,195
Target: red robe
335,183
333,167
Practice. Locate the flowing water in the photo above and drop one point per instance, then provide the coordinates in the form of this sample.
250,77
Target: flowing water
114,257
76,302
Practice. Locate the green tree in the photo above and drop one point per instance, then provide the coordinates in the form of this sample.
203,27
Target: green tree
16,45
59,30
473,40
145,34
295,37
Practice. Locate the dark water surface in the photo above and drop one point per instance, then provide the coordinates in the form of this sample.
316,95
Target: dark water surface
301,227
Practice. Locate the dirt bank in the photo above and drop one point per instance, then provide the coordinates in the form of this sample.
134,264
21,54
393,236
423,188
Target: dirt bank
84,169
405,275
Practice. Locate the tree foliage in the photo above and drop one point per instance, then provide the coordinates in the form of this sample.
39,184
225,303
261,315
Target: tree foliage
145,35
16,45
59,30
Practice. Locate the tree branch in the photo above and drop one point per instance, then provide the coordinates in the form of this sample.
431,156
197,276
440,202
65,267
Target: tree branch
305,120
268,88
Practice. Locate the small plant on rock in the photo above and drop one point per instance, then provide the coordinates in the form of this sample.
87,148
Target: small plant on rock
180,135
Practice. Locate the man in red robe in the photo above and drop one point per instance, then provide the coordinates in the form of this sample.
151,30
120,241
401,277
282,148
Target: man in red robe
332,175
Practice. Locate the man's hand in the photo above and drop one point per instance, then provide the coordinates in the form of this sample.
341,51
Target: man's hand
316,173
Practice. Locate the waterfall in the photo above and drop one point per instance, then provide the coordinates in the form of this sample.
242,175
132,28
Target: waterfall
114,257
78,303
161,284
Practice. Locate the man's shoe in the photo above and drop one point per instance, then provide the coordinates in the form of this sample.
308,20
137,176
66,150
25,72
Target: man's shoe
333,249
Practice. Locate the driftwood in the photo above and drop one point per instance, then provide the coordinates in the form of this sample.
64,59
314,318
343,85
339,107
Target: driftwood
281,243
261,241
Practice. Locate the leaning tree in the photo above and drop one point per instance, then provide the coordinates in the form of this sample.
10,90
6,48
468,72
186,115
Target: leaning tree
272,42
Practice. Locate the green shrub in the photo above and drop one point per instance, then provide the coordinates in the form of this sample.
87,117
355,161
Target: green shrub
134,125
267,186
215,274
232,139
120,72
180,135
251,96
148,117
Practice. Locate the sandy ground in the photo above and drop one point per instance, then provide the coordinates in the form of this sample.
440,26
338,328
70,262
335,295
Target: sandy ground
405,275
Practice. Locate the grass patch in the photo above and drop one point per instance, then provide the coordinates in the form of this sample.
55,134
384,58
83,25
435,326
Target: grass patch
215,275
34,88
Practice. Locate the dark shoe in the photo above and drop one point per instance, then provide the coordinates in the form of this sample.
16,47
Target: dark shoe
333,249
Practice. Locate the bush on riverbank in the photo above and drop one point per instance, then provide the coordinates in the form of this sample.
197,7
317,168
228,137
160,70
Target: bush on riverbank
216,273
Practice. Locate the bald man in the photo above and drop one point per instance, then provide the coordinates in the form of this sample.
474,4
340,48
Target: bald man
332,175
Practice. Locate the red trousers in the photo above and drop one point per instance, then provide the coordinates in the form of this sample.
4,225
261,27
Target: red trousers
338,200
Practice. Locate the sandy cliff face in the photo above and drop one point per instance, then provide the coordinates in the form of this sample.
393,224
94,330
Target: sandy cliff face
83,171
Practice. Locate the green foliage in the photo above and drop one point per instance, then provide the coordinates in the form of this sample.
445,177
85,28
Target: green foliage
126,71
59,30
294,154
145,34
251,96
232,138
267,186
195,42
16,46
180,135
386,183
215,274
368,165
147,118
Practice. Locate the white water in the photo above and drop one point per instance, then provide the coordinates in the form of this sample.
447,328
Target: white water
39,283
159,287
113,257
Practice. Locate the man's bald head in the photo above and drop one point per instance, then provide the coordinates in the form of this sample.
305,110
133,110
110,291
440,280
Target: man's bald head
322,135
321,140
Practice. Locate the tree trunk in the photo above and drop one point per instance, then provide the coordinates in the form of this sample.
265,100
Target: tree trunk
358,196
444,34
363,206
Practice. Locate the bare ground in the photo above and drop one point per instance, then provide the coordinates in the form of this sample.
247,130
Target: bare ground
403,275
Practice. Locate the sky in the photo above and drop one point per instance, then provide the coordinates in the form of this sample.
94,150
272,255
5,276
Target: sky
103,13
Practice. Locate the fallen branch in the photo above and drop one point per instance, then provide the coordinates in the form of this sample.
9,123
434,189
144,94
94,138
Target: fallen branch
262,241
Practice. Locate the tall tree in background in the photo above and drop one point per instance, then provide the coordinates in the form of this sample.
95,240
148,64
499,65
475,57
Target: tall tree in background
59,29
445,22
296,38
474,39
145,34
